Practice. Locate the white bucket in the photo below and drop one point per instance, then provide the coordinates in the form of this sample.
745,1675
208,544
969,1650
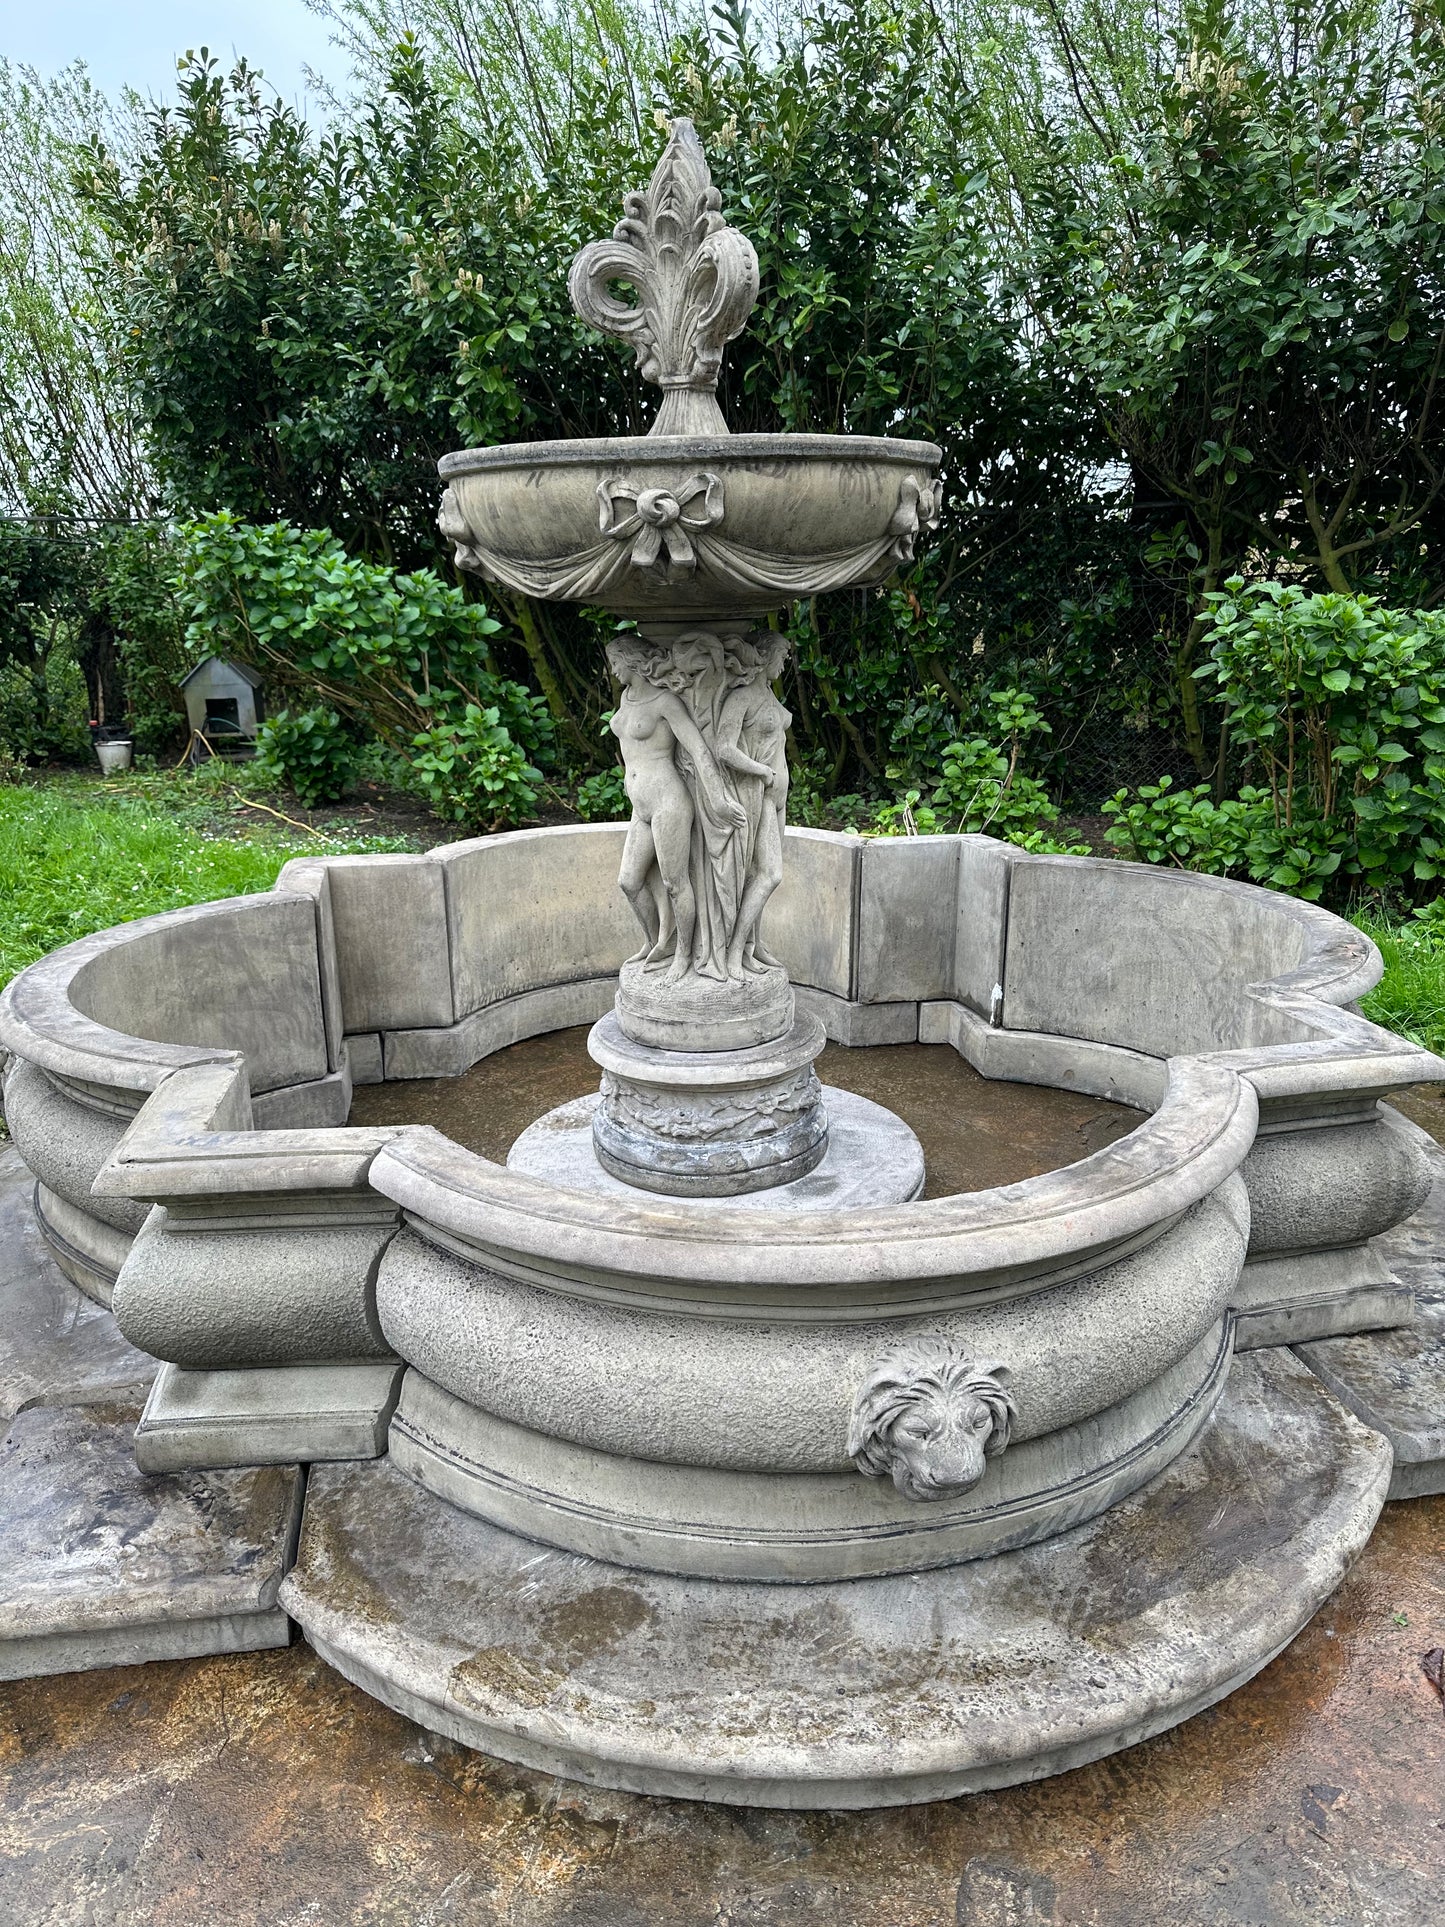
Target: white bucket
113,757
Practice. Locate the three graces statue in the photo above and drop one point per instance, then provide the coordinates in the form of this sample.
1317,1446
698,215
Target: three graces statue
704,748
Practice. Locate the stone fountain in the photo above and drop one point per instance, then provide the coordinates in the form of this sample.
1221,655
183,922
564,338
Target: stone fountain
692,1450
698,537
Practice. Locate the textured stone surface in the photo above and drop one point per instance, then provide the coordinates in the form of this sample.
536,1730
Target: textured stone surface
1331,1185
872,1158
1156,960
57,1347
288,1414
65,1143
389,913
242,974
105,1566
794,1527
538,907
976,1677
905,946
275,1294
1395,1380
719,1384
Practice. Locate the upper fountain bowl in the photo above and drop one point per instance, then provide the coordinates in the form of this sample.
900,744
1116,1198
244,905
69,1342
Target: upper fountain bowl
680,528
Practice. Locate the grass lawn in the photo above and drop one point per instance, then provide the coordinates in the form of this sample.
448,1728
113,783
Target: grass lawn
1411,996
78,854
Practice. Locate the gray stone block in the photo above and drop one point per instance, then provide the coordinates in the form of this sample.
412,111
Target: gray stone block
390,919
316,1106
534,908
65,1143
363,1049
311,877
1317,1294
956,1681
273,1295
239,975
810,923
906,918
105,1566
1395,1380
855,1024
88,1251
1330,1186
795,1528
450,1052
982,930
287,1415
1155,960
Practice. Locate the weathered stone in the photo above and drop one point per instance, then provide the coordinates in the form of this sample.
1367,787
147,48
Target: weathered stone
105,1566
905,948
1395,1380
57,1346
709,1123
274,1295
978,1676
797,1527
282,1415
872,1159
390,918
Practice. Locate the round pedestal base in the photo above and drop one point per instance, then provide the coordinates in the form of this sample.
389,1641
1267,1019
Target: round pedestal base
871,1158
709,1123
866,1692
701,1013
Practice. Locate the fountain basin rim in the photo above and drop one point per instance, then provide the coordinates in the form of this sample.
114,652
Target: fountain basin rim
668,450
829,1263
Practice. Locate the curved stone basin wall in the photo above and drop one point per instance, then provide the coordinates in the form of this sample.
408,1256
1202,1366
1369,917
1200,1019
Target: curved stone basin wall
621,1378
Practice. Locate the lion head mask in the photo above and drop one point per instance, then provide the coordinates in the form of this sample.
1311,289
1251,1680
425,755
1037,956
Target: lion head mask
929,1417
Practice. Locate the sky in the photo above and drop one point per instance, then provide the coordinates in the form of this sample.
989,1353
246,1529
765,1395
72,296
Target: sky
136,43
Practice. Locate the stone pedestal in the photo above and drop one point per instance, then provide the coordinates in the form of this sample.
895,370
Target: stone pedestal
709,1123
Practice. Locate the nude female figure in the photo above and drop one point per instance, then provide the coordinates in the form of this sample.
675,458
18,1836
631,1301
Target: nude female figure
650,723
753,741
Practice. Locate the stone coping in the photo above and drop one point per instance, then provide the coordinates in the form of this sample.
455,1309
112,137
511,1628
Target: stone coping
1057,1223
654,450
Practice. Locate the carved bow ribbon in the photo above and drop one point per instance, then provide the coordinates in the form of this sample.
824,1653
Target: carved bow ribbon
661,518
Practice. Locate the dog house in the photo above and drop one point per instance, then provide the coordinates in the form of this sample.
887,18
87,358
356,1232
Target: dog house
224,703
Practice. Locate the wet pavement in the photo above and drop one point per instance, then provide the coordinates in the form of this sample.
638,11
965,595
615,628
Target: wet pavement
975,1132
265,1792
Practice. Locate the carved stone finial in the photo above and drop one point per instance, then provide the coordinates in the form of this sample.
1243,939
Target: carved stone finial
696,280
928,1416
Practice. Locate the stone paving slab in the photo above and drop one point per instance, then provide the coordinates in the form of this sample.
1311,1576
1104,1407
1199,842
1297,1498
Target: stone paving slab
859,1693
57,1347
104,1566
1395,1380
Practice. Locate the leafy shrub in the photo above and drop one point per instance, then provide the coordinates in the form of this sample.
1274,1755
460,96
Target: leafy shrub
981,787
473,773
404,657
312,750
1336,706
602,798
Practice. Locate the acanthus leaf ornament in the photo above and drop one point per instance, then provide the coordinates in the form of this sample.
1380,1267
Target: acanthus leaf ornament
695,278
